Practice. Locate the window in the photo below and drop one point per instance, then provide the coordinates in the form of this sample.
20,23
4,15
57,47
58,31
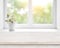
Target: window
43,36
31,13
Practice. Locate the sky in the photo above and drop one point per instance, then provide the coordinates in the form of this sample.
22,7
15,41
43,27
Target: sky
41,2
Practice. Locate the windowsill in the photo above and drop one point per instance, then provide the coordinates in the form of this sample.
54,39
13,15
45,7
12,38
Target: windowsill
30,38
31,30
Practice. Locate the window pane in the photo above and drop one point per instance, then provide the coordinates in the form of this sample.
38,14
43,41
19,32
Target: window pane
42,11
17,11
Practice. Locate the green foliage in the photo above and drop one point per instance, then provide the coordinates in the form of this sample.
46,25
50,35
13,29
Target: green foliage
17,5
39,13
42,15
20,18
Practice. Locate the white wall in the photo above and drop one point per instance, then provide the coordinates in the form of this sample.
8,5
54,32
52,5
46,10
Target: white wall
29,46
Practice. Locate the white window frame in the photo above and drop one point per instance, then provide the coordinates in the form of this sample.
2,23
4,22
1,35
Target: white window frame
31,36
30,24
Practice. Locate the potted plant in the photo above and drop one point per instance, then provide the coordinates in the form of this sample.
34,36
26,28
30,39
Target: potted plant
10,20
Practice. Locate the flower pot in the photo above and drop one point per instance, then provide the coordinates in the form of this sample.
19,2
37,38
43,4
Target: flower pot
11,26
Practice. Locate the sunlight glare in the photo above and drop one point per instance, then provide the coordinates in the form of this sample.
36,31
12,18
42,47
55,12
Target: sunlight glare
41,2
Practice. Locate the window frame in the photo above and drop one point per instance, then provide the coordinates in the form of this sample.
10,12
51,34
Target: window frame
30,24
39,36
